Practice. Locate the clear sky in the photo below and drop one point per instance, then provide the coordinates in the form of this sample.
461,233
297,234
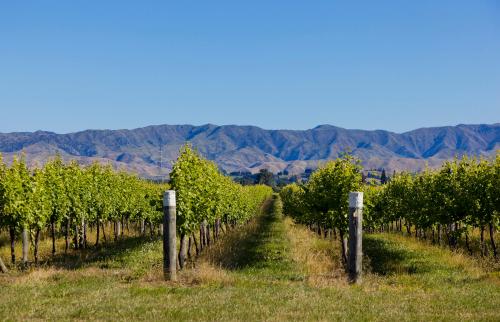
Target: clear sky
396,65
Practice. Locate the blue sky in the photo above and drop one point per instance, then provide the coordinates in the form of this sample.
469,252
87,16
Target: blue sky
396,65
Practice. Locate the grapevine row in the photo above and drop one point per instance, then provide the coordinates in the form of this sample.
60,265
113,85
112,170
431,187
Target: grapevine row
451,201
208,199
67,199
322,203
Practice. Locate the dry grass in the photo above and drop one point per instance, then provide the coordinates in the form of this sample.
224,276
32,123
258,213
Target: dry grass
212,267
45,247
206,274
318,257
48,275
487,262
458,259
223,252
270,269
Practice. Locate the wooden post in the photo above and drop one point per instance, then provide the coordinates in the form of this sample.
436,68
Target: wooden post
143,223
355,236
84,234
3,268
26,246
118,229
169,236
183,250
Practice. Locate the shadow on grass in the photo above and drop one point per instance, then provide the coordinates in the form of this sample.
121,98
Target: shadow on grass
4,240
260,245
111,251
387,257
254,250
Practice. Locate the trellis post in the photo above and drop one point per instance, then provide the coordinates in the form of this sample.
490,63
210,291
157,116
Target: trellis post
355,254
169,236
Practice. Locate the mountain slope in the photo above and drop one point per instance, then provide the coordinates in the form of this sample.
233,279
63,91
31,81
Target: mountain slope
250,148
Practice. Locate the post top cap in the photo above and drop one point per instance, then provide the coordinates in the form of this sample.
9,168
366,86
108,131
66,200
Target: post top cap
356,199
169,198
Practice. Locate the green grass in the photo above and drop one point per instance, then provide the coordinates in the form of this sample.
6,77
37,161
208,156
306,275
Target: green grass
255,273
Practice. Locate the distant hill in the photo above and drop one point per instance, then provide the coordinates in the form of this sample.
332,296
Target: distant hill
250,148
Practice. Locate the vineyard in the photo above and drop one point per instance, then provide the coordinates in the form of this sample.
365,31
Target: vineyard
69,200
444,205
91,244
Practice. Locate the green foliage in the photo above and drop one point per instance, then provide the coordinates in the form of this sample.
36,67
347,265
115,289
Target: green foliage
54,181
324,199
16,186
205,194
74,195
462,194
41,201
69,192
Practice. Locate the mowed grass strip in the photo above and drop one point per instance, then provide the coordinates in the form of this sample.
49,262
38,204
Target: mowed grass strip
271,269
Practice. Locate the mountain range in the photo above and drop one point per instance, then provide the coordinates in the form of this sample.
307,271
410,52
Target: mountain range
250,148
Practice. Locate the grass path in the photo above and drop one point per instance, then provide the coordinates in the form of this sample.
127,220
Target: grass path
271,269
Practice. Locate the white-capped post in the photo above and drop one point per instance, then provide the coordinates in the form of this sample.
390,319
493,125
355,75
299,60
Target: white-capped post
169,236
355,254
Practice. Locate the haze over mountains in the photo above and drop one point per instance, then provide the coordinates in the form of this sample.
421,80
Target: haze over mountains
250,148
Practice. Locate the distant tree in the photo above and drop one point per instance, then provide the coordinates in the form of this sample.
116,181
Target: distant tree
265,177
383,177
363,177
245,180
